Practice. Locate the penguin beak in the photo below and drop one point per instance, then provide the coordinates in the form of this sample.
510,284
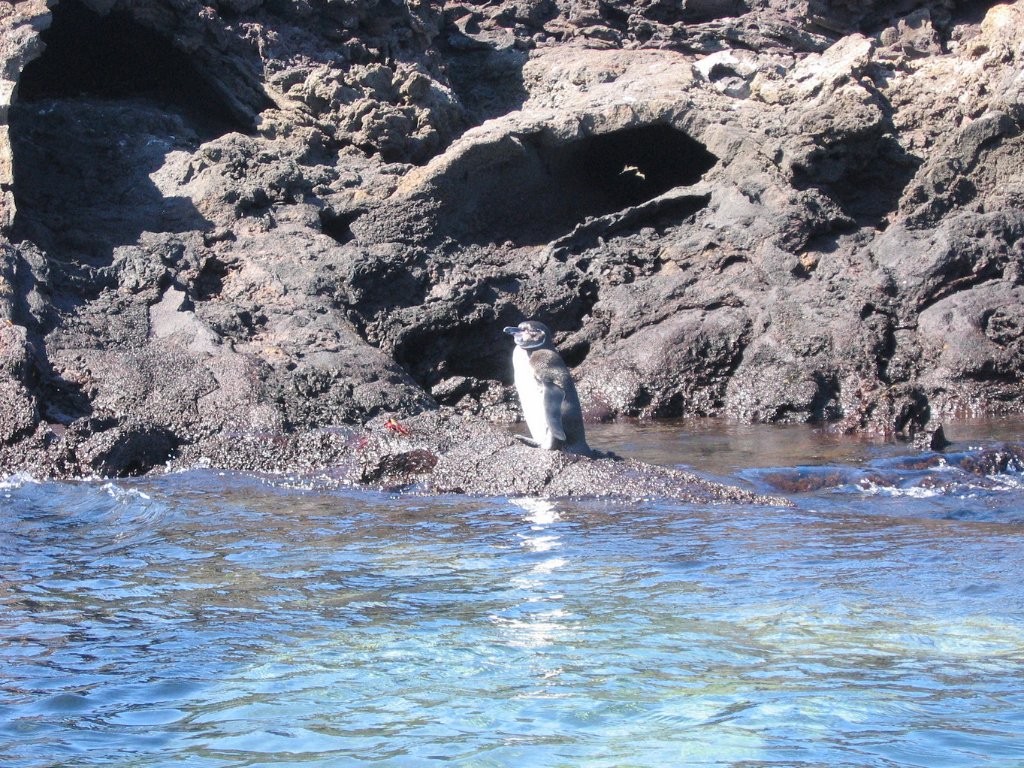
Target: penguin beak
512,329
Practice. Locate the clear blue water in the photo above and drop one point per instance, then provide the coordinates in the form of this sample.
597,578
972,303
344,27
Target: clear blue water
207,620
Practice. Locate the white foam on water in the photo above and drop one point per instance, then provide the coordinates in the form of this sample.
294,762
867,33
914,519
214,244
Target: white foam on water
870,488
122,494
16,481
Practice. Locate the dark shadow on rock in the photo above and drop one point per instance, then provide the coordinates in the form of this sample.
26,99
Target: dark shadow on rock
338,224
113,57
127,450
843,18
97,113
864,176
82,183
466,351
692,11
532,189
60,401
973,11
488,82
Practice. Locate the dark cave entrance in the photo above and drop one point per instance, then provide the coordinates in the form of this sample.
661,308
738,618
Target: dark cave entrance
625,168
112,57
96,114
540,190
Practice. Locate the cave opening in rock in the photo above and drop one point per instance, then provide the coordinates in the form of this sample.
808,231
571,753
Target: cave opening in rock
538,190
337,225
97,115
113,57
624,168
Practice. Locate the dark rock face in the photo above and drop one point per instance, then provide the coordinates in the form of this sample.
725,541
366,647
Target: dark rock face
234,231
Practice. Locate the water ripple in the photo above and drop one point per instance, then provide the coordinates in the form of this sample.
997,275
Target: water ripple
209,620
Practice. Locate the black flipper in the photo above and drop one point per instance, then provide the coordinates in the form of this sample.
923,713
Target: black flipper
553,397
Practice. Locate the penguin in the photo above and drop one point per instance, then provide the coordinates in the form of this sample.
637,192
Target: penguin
546,390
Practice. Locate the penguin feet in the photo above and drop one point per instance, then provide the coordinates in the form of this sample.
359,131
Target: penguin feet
528,440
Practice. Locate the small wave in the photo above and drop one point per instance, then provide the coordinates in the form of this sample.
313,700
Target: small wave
871,488
127,494
120,513
948,481
16,481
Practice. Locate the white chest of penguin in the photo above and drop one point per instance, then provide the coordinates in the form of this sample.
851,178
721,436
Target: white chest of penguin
531,397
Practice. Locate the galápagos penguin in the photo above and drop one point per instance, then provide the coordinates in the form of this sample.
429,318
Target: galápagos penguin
547,393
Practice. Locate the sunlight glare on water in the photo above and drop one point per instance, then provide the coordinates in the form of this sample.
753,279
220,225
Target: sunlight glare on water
216,620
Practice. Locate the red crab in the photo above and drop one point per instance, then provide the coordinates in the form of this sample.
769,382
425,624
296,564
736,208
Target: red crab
393,426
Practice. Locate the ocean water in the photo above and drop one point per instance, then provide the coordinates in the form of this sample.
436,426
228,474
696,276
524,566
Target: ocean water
207,619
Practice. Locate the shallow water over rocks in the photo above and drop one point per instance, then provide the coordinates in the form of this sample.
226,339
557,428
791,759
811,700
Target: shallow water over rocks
208,619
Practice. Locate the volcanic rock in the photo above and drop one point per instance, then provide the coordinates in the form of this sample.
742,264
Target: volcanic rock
240,222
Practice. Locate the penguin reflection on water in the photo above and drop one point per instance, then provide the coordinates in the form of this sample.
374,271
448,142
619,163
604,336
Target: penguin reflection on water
546,391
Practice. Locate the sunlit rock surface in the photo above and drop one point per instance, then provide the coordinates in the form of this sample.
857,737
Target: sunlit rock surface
242,223
441,452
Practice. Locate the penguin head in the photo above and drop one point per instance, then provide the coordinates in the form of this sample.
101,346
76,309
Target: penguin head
530,334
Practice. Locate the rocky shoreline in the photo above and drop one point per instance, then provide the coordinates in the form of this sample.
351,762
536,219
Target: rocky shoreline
254,226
